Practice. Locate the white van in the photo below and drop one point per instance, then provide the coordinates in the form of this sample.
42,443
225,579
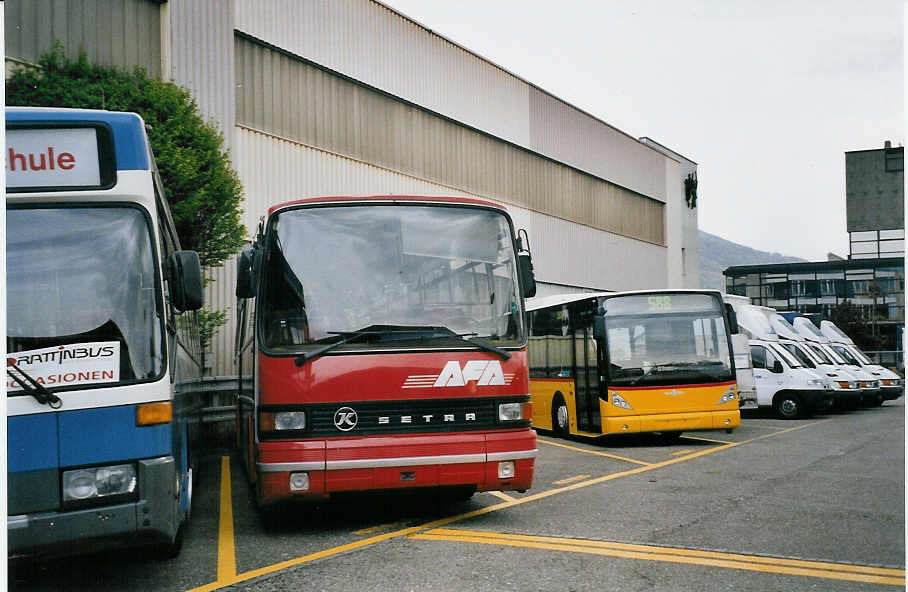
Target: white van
892,385
870,385
783,383
744,370
847,392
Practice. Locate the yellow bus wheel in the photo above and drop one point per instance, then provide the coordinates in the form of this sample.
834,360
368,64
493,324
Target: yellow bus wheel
560,419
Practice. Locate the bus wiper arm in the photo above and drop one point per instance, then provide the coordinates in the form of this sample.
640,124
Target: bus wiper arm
471,339
34,388
345,338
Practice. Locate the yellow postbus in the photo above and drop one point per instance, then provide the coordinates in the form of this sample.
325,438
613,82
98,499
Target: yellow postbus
624,362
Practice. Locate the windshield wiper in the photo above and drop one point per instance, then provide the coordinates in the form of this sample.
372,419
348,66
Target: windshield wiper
34,388
471,339
402,332
346,337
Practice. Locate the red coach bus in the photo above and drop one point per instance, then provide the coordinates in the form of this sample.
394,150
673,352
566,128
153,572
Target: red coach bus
381,345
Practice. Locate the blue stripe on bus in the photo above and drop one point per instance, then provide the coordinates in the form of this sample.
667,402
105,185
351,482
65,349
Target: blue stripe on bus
108,434
128,130
31,442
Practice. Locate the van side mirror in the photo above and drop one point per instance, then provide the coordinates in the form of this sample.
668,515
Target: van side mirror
246,274
777,367
527,276
732,319
185,275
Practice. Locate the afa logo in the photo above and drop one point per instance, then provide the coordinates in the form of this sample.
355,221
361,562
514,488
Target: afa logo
482,372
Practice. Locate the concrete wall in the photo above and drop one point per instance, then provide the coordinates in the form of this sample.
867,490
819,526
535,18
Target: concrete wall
874,197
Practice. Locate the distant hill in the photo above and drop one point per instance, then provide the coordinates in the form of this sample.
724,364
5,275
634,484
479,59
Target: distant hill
718,254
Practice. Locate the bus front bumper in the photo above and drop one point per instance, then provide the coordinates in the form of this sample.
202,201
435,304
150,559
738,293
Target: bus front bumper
315,469
672,422
151,519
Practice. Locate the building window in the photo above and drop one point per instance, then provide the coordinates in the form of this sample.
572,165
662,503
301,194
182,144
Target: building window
895,160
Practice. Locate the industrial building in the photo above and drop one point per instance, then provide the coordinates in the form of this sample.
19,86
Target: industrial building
350,97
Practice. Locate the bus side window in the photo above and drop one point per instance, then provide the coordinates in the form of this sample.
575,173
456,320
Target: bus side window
549,344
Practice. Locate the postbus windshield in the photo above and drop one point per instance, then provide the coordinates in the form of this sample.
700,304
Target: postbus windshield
664,339
391,275
82,309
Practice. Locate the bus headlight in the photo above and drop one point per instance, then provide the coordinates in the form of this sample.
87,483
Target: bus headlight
282,420
514,411
83,484
618,401
728,396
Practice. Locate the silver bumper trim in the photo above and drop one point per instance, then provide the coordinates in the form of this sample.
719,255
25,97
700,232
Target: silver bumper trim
406,461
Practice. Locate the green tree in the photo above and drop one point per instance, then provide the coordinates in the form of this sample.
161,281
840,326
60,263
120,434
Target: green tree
201,186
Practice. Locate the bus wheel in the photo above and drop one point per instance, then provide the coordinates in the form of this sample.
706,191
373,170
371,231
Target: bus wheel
787,406
560,419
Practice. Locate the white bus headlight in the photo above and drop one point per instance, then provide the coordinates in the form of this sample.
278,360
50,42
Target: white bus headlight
282,420
514,411
83,484
290,420
618,401
728,396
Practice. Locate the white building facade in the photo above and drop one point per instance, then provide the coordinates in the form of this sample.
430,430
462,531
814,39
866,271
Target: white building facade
349,97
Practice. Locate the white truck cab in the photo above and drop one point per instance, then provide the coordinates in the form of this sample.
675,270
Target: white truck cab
783,383
892,386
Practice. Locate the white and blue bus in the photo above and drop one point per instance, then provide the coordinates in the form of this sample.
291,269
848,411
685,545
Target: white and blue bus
103,374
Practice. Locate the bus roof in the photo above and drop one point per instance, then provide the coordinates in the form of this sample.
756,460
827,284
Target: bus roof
392,198
558,299
130,142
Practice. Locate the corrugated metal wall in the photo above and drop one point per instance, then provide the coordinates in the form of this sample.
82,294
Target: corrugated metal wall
281,94
122,33
370,42
275,169
198,55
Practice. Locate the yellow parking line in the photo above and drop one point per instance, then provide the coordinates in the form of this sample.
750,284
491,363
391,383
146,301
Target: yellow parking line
502,495
570,480
226,550
596,452
379,527
680,452
227,581
778,565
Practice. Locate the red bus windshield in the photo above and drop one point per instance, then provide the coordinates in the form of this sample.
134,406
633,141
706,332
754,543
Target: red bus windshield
430,272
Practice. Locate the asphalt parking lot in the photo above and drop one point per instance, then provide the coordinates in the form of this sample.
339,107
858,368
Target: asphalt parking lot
812,504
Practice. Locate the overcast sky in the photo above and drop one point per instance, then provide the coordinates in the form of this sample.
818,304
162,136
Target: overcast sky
766,96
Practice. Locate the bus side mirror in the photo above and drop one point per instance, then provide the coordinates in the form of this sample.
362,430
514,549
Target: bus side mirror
732,319
527,277
185,281
245,274
598,326
777,367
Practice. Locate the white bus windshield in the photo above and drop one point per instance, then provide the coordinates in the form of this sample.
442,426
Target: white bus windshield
392,275
666,339
82,309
